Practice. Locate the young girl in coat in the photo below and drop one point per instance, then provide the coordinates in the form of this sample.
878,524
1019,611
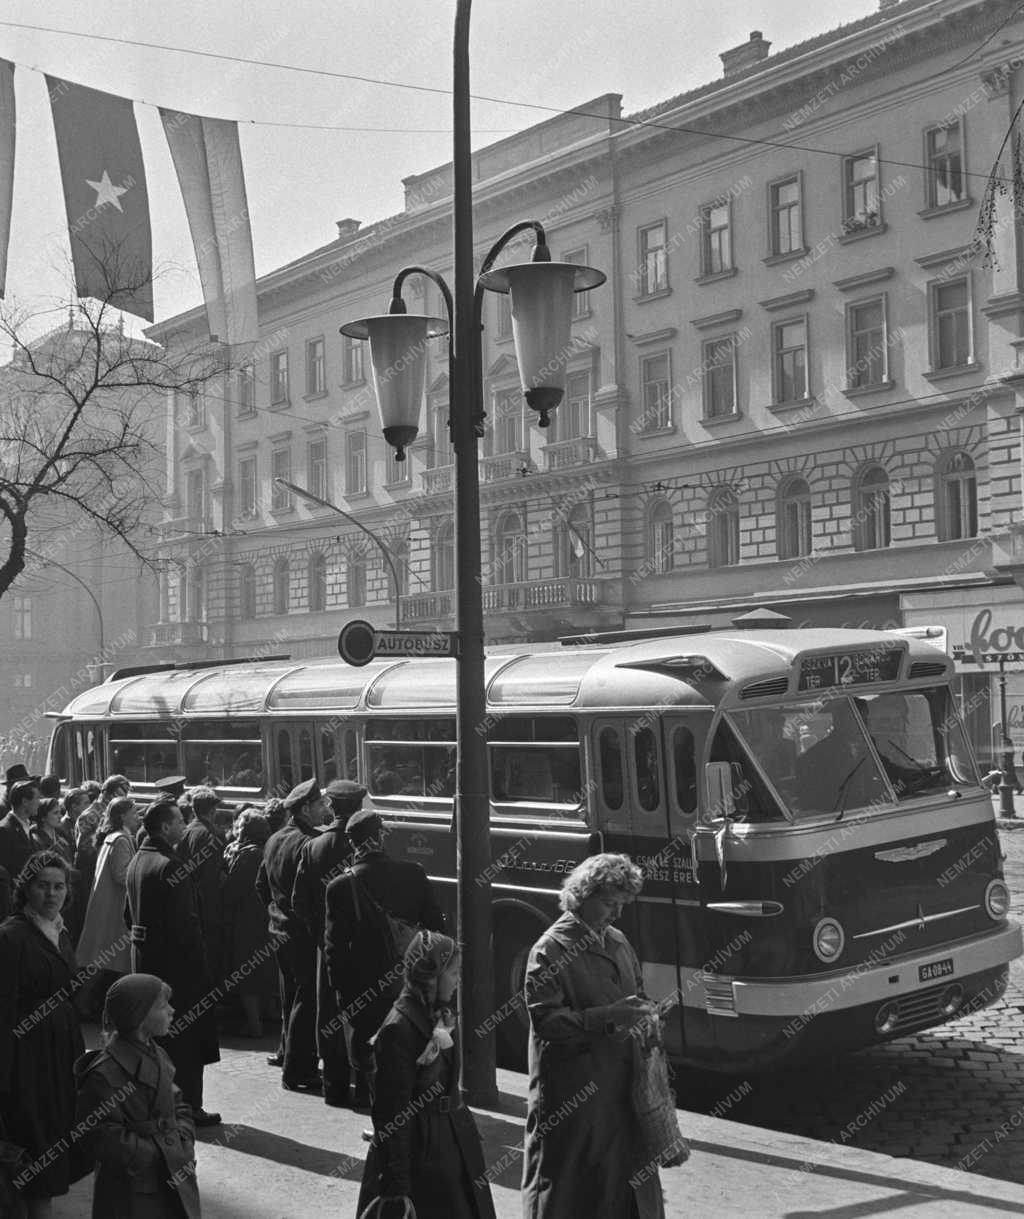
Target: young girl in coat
426,1151
141,1125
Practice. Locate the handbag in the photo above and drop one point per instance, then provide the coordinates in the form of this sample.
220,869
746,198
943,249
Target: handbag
660,1141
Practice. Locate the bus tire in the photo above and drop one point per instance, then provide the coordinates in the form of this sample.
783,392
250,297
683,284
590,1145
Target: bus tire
515,935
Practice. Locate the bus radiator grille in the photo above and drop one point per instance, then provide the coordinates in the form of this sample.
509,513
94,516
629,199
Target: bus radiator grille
922,1007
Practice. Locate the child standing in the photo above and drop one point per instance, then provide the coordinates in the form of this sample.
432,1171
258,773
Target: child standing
142,1127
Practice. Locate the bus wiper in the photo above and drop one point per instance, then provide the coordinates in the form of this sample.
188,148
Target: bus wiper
912,760
841,794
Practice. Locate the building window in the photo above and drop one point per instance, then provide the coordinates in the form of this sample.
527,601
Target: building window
247,592
505,427
661,550
580,300
396,471
279,377
247,488
572,419
503,315
355,582
723,528
440,452
355,463
316,479
23,681
716,238
509,553
871,509
655,380
352,360
22,617
793,519
195,595
443,565
653,266
280,467
193,408
957,498
951,336
789,361
944,159
245,388
861,206
195,496
866,346
575,544
786,229
316,371
719,365
317,575
282,582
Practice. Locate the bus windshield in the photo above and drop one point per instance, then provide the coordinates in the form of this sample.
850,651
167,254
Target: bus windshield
836,752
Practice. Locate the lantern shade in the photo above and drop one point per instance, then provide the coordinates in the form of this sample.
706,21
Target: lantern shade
541,302
398,359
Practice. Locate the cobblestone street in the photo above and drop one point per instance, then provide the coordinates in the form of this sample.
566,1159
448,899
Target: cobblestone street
953,1097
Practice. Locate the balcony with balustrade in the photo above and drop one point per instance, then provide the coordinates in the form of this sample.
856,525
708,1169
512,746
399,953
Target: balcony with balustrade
177,634
569,454
438,480
504,466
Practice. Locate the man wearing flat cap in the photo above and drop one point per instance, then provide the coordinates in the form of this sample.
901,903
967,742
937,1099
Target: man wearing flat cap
203,852
357,945
295,948
323,858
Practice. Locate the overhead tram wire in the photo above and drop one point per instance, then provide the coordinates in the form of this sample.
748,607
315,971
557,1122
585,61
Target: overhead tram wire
624,121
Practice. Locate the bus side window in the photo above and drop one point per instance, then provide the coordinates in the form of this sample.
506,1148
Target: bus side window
609,747
285,773
684,770
350,754
306,767
645,760
329,759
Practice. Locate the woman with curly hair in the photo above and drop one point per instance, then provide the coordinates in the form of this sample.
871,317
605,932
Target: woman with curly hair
584,995
40,1036
246,942
426,1149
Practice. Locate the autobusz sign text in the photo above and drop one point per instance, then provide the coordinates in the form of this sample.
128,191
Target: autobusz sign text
360,642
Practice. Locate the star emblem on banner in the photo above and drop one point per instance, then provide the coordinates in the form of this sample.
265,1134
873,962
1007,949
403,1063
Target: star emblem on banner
107,192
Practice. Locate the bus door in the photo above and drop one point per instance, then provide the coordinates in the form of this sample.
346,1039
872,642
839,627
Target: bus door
291,749
338,753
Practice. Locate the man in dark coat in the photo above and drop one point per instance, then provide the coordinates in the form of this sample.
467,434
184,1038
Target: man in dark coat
295,948
167,940
323,858
16,845
358,948
202,851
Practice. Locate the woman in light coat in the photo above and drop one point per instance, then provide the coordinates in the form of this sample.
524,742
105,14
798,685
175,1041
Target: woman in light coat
103,947
584,994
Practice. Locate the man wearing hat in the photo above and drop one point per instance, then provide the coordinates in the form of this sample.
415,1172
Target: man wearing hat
16,844
359,956
324,857
167,940
203,852
295,949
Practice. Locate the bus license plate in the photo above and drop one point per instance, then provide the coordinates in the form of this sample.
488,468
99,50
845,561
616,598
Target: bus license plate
937,969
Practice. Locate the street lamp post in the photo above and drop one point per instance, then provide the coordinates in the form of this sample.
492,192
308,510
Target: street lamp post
1007,769
541,305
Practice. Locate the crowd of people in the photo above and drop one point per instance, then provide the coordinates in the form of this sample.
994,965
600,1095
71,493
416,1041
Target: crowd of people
157,923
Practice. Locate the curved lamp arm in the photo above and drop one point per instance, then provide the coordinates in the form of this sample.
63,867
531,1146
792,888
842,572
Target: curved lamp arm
398,305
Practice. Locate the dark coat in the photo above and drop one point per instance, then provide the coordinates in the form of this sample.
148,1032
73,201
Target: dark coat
37,1086
276,880
425,1142
203,853
144,1142
323,858
358,960
246,939
16,845
167,940
579,1151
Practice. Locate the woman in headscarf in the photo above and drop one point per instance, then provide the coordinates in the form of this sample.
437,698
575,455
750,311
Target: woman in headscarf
425,1149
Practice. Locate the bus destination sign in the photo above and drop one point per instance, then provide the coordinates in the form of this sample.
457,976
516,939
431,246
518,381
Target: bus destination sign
359,642
849,668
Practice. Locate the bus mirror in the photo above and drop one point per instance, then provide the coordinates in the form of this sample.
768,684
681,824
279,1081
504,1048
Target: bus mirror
720,797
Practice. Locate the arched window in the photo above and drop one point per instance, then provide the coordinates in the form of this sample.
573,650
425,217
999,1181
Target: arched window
661,554
871,509
575,543
509,552
956,497
317,581
247,592
282,581
793,519
443,566
355,581
723,528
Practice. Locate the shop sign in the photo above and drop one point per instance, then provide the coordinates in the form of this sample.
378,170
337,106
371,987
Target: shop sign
991,646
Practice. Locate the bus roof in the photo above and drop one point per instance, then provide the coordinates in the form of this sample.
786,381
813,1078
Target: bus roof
691,670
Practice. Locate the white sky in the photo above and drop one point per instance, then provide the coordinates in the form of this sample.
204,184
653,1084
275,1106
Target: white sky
555,53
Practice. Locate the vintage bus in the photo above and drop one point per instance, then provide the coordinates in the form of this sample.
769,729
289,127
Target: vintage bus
822,864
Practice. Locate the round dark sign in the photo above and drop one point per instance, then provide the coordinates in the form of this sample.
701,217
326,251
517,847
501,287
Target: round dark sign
356,642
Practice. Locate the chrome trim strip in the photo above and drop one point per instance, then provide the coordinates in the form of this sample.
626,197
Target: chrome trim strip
752,909
904,854
920,922
670,901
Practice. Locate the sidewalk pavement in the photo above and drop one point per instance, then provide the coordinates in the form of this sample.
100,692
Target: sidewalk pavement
283,1155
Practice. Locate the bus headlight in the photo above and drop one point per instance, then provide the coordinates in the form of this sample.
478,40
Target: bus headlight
828,940
997,900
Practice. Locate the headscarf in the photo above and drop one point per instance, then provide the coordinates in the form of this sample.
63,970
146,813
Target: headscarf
426,959
129,1001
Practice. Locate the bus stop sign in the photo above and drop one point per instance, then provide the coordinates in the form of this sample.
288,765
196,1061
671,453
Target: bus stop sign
360,642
